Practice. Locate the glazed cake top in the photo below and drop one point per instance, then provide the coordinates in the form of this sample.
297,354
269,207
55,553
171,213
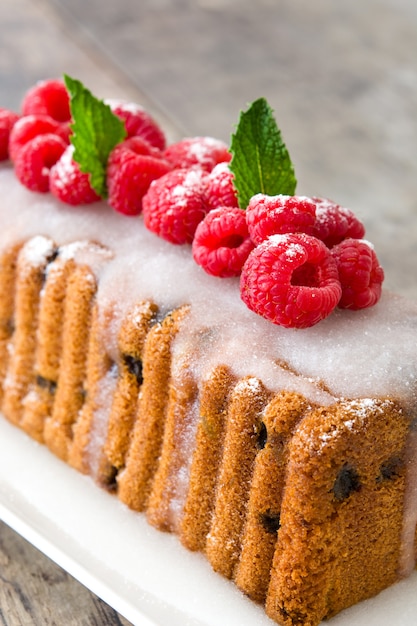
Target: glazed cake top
365,353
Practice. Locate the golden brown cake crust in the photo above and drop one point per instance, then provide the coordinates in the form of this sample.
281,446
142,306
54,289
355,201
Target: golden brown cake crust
32,261
164,498
70,396
223,546
86,429
135,482
264,507
199,503
131,341
342,508
39,401
8,268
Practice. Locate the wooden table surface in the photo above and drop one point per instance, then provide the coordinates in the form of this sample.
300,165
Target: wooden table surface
342,78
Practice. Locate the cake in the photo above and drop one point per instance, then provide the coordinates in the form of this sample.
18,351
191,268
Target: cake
287,456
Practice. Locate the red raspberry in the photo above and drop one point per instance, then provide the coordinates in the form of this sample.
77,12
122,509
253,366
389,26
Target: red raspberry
291,280
30,126
273,215
48,97
35,160
335,223
204,152
221,243
7,120
138,123
174,205
360,274
68,183
132,166
220,190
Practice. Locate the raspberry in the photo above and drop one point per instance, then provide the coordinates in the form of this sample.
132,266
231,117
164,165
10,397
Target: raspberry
48,97
335,223
7,120
360,274
219,187
273,215
30,126
291,280
132,166
174,205
68,183
138,123
203,152
221,243
35,160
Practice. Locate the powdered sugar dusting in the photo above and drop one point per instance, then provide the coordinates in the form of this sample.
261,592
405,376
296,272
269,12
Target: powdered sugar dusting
358,412
128,107
248,385
294,250
182,192
65,168
35,253
87,253
201,148
139,310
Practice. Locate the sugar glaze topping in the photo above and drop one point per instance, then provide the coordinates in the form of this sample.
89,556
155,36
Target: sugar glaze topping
355,354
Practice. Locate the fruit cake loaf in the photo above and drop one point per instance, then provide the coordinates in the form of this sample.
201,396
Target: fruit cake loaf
288,455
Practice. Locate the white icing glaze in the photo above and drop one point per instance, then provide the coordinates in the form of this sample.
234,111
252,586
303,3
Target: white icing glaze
181,478
103,402
356,354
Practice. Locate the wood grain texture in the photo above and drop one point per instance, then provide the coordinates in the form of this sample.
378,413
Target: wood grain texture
34,590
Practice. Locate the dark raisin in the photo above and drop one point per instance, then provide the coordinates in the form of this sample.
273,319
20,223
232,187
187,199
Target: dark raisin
134,366
347,482
262,436
297,618
390,469
10,327
46,383
270,521
113,369
109,481
51,258
82,394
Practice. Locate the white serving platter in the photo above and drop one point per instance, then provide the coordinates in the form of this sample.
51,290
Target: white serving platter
147,576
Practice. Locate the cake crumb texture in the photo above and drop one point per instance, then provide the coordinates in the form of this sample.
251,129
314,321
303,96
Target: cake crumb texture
131,342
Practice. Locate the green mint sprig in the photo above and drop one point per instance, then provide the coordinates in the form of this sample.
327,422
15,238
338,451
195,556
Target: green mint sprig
260,160
96,130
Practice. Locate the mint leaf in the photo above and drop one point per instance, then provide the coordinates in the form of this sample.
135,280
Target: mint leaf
260,160
96,131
